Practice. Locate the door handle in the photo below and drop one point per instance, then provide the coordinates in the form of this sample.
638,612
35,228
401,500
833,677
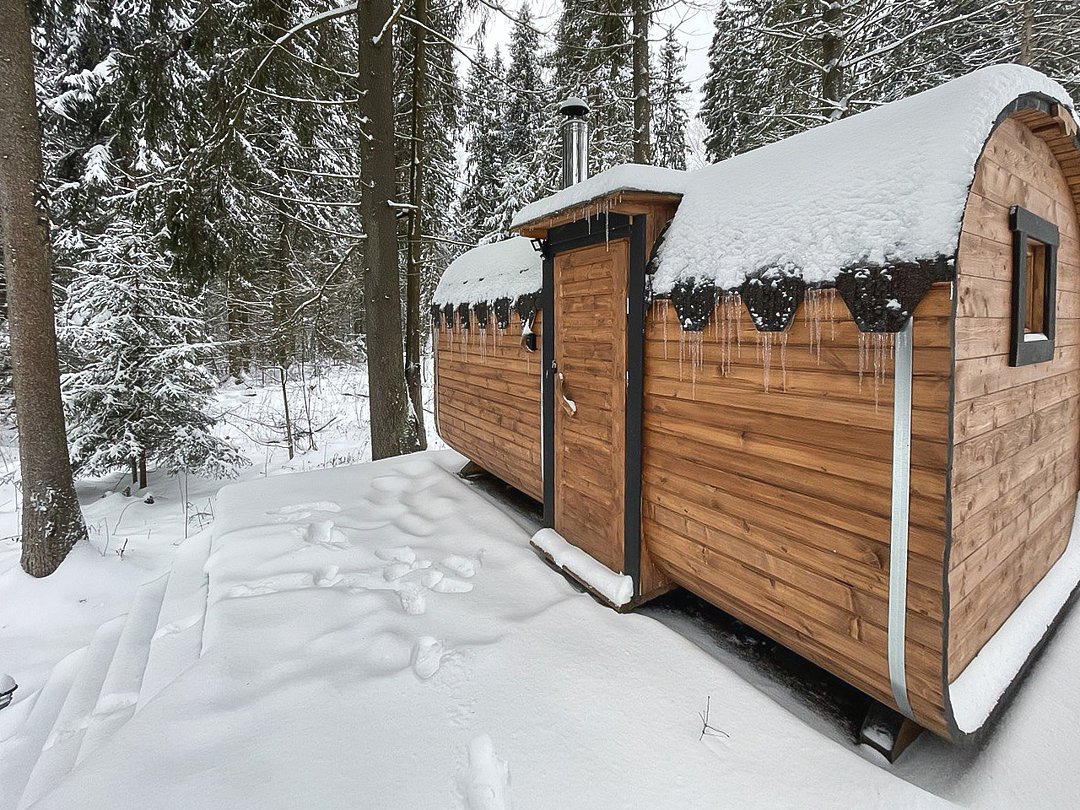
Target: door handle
568,404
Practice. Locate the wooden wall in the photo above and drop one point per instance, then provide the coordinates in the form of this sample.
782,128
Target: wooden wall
776,505
1016,430
487,401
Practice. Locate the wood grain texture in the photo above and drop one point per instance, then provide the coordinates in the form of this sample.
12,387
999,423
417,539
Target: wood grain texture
1016,430
487,400
776,505
590,446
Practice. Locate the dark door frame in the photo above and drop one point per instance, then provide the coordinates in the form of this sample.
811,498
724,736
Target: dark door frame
584,233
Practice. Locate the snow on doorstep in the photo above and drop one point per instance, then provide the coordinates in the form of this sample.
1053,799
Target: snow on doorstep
627,177
979,688
506,269
616,588
887,184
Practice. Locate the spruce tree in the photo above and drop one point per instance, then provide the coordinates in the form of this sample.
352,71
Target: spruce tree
593,61
669,110
140,382
527,172
486,142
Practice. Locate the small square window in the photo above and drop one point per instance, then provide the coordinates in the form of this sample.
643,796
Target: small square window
1035,244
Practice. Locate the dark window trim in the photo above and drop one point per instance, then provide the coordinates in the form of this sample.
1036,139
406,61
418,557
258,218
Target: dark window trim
1027,225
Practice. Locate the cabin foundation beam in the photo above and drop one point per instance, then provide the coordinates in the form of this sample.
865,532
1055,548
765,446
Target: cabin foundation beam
888,732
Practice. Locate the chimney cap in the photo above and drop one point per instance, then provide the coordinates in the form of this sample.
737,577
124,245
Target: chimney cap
574,107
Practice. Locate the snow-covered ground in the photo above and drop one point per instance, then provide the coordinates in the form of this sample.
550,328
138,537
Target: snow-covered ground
41,621
382,635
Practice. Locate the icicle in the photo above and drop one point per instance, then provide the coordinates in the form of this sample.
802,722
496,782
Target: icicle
764,341
830,296
815,300
862,357
664,312
783,360
682,350
736,301
883,351
697,358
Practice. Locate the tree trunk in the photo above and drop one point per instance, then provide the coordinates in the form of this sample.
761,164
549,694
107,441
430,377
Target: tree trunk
1027,33
834,105
641,82
413,367
393,425
234,352
142,470
51,520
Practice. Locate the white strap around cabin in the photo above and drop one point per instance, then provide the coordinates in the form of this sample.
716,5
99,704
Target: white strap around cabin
901,494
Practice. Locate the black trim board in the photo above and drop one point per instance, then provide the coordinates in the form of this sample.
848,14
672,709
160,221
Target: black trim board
635,395
547,386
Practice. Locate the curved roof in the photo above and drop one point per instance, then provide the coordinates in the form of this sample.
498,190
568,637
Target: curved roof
508,269
886,186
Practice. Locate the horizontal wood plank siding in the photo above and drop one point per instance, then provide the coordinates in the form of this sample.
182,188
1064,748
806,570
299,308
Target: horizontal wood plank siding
776,505
1016,430
487,400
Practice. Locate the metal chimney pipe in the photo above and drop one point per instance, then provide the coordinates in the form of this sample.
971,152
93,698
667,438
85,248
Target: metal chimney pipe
575,141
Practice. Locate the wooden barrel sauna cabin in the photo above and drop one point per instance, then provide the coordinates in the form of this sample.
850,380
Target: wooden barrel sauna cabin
831,386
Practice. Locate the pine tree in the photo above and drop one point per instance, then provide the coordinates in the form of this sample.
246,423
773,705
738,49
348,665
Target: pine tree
669,110
140,383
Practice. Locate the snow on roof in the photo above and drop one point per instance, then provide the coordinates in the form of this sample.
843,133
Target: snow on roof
624,178
507,269
887,184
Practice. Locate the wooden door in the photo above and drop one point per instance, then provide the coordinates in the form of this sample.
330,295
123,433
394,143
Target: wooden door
590,286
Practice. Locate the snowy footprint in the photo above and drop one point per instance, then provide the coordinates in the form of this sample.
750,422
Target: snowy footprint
328,577
325,533
451,585
428,655
462,566
397,570
403,554
487,781
414,525
412,598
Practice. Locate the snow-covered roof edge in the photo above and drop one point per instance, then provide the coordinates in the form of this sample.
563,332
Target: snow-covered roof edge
885,187
508,269
625,178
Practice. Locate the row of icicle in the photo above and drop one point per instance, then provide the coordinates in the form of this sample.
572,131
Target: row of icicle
725,328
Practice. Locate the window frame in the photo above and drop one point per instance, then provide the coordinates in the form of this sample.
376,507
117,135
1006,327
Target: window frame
1026,225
